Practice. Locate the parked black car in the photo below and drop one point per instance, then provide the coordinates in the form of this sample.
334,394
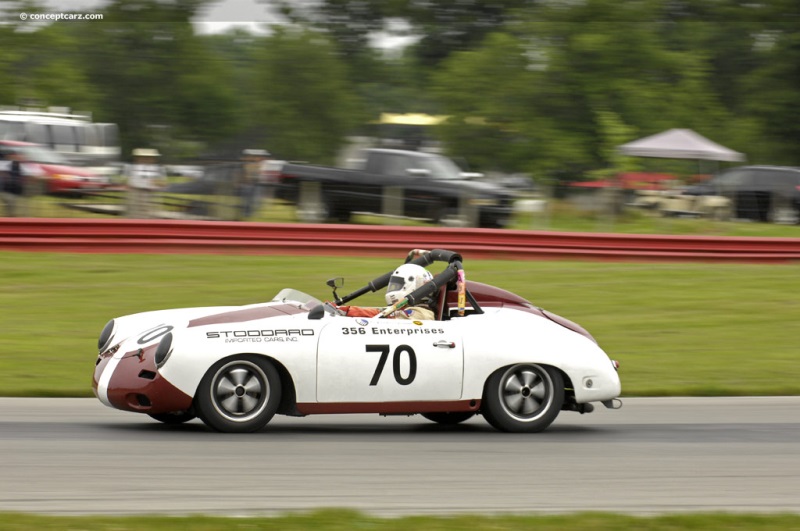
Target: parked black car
427,186
760,193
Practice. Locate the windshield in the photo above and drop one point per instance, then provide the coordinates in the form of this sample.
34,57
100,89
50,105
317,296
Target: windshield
293,295
43,156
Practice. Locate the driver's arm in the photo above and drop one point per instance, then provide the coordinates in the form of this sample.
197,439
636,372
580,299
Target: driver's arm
360,311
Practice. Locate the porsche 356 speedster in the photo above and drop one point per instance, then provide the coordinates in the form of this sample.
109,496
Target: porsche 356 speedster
487,352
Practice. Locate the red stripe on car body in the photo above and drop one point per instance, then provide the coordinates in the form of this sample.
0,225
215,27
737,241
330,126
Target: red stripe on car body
388,408
248,314
129,390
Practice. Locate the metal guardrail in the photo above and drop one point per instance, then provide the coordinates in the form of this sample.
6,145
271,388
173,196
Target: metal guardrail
167,236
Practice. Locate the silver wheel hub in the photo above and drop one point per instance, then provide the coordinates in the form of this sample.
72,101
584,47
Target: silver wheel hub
526,392
240,391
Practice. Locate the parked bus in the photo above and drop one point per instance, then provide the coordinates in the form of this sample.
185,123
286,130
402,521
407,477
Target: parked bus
74,136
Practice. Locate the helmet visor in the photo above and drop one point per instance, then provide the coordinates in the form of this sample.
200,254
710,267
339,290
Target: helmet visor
395,284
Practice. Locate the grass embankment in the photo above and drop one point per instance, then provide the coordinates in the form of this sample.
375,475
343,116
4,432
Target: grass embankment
559,215
346,520
677,329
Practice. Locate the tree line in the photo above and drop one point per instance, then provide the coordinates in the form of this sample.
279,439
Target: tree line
544,87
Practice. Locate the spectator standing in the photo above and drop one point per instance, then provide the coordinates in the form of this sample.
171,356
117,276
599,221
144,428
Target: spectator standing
145,177
5,168
13,173
253,163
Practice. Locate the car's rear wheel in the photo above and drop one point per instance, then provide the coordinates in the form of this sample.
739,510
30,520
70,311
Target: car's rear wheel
449,419
523,398
239,394
177,417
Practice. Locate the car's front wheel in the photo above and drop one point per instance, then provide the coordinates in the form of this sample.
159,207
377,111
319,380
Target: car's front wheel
239,394
523,398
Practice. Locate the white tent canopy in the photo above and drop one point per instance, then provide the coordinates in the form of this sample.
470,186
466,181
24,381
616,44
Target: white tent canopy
679,144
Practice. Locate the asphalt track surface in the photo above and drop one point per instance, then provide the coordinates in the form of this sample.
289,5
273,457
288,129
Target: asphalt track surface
75,456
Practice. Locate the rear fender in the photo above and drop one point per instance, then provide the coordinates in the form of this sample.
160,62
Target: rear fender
544,342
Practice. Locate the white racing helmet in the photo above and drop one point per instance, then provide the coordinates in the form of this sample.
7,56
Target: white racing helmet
404,280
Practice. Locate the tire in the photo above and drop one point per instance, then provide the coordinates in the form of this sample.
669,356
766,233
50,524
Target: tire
523,398
173,418
449,419
239,394
325,211
338,212
495,222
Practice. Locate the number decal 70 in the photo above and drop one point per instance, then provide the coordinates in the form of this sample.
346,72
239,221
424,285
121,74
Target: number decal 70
384,350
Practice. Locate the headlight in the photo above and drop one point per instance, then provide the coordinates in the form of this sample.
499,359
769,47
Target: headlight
163,350
106,336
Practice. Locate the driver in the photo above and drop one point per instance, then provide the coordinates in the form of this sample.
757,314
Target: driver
404,280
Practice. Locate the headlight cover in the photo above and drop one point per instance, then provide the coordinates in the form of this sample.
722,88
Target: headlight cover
163,350
104,341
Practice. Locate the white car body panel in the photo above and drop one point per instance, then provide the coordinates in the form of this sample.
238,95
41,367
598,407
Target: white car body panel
329,362
351,349
543,342
297,353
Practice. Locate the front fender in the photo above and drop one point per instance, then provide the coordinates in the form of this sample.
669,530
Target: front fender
196,349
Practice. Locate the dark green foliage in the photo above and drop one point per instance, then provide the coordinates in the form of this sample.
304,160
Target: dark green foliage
547,88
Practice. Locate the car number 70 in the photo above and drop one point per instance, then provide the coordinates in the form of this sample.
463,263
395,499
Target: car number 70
384,350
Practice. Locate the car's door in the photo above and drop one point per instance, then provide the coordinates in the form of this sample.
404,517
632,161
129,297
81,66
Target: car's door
389,360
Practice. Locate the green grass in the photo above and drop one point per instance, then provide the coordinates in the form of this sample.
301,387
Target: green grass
677,329
563,215
340,520
560,216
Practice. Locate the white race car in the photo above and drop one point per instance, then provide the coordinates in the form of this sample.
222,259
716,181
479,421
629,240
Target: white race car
488,352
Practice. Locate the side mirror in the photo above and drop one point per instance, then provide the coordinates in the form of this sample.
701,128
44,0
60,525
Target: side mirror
335,283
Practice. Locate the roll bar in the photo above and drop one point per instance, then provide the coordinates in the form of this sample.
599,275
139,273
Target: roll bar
421,258
429,288
425,258
429,257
